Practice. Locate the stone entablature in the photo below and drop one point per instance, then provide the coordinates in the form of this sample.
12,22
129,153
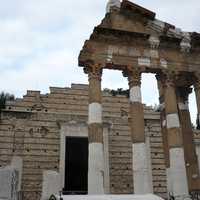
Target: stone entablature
132,36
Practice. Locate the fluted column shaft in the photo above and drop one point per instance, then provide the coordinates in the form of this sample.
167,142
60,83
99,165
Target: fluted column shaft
177,171
95,132
142,173
163,124
191,160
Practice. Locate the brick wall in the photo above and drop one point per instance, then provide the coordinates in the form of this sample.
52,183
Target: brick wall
30,128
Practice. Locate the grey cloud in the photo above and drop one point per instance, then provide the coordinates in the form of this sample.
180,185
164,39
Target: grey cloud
40,41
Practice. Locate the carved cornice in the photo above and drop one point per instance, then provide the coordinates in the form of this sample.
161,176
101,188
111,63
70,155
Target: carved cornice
94,71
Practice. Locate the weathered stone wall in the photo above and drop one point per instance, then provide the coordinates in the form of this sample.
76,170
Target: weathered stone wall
30,128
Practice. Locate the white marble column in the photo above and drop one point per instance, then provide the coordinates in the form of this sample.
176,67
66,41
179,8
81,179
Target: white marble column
95,128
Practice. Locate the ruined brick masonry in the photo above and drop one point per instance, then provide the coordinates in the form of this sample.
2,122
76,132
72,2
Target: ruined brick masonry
30,128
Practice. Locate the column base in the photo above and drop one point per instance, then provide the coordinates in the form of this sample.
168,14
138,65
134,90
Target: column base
169,182
142,177
96,169
178,175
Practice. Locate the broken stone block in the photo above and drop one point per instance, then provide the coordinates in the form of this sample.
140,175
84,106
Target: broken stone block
8,183
51,184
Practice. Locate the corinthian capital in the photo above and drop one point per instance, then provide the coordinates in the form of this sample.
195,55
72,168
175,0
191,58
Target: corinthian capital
133,75
94,71
169,78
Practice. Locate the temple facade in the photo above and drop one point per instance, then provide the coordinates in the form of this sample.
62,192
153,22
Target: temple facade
83,140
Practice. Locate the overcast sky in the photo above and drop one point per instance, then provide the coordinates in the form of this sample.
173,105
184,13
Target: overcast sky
40,41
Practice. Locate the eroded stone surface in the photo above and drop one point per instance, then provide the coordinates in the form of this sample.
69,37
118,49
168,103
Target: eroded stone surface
8,183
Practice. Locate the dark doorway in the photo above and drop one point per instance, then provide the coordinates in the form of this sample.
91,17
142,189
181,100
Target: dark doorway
76,165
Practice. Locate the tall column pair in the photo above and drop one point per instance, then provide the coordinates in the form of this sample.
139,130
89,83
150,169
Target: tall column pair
181,160
190,157
177,169
142,176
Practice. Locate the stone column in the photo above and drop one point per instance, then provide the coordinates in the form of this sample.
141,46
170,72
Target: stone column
197,92
142,177
164,129
95,132
177,172
191,160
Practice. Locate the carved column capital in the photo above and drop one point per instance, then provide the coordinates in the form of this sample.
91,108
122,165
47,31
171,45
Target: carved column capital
133,75
94,71
169,78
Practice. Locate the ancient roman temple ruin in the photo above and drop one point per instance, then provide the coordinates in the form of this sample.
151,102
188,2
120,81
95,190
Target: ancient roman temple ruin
84,140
